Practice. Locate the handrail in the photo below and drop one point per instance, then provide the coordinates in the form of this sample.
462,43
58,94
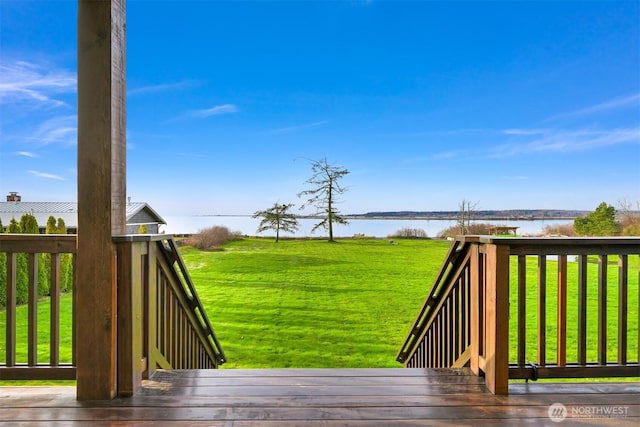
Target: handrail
554,295
36,253
161,320
176,332
487,267
456,259
181,274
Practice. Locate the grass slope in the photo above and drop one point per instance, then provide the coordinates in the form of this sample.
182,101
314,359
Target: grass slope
310,303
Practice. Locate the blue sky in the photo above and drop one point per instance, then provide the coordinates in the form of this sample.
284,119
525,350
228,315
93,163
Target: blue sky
509,104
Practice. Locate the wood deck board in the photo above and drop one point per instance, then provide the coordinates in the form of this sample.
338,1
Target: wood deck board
318,397
281,413
312,381
314,372
58,398
324,423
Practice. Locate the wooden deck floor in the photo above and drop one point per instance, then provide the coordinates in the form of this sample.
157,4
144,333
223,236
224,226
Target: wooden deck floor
325,397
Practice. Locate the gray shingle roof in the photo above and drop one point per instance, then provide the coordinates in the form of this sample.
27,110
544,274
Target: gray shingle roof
68,211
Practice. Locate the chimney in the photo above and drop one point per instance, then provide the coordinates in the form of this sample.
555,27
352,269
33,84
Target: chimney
13,196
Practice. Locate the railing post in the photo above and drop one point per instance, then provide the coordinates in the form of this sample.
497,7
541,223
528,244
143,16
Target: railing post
130,316
54,314
151,310
101,191
476,308
10,343
496,314
32,334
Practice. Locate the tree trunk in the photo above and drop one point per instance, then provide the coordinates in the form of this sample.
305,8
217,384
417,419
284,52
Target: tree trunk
330,210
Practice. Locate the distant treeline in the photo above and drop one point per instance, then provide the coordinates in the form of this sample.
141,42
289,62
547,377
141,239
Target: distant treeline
511,214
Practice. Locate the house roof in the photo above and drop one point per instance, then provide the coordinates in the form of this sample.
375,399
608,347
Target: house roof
134,208
68,211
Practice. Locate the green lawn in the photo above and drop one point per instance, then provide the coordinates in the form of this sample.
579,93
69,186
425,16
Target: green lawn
43,331
310,303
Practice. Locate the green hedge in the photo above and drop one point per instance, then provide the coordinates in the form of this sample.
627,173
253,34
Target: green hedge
28,224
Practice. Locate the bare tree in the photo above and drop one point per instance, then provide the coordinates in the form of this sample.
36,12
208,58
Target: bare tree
629,218
277,218
323,194
465,215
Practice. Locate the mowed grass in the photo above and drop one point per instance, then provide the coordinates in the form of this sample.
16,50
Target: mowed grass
311,303
44,341
43,328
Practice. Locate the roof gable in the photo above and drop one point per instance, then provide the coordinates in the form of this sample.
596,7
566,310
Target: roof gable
141,210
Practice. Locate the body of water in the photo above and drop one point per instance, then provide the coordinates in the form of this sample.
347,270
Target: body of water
247,225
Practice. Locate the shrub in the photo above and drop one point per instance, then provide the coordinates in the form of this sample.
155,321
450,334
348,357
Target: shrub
410,233
559,230
474,228
631,229
480,228
629,220
28,224
51,226
601,222
211,238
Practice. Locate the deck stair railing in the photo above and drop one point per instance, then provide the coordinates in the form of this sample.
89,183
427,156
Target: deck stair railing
440,335
185,338
583,291
161,320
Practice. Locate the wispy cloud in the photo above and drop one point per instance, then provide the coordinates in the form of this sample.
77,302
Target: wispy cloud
523,141
214,111
207,112
561,141
22,81
26,154
613,104
63,130
46,175
162,87
296,128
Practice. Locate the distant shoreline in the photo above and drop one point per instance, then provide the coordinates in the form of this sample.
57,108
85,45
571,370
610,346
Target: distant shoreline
481,215
370,225
453,218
